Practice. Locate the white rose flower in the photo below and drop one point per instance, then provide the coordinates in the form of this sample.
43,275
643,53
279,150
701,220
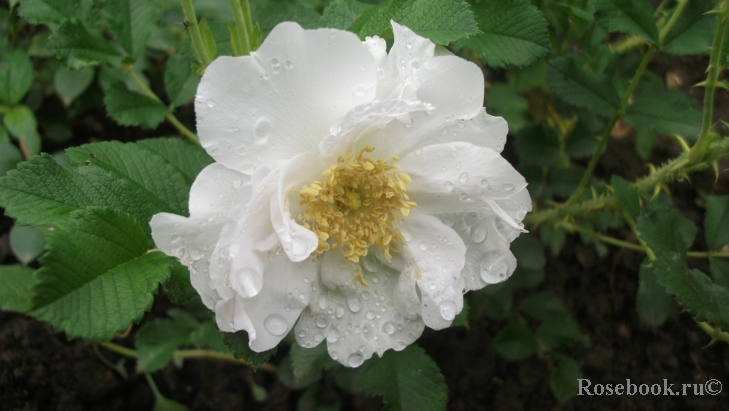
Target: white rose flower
357,191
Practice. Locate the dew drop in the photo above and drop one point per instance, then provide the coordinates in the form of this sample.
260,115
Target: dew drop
288,65
448,186
423,246
370,315
448,310
388,328
493,267
321,321
262,129
465,198
332,337
322,302
275,66
479,232
365,295
463,177
507,187
355,360
211,103
360,90
400,345
354,303
334,355
409,45
339,311
195,253
275,324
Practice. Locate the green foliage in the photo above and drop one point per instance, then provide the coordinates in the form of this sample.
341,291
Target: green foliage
238,345
693,31
55,11
131,22
582,88
664,112
156,342
97,277
180,81
184,157
461,319
528,252
564,378
27,242
626,196
705,300
308,363
16,294
22,124
16,76
78,47
515,342
69,84
716,221
627,16
511,32
130,108
340,14
651,302
441,21
408,380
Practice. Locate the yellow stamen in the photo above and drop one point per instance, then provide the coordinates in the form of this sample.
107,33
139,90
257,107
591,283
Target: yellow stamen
358,204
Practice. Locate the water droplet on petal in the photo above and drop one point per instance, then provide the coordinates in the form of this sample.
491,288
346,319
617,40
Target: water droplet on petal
388,328
288,65
423,246
448,186
400,345
360,90
479,232
493,267
507,187
465,198
370,315
355,360
211,103
321,321
365,295
275,66
354,303
262,129
275,324
448,310
463,177
322,302
339,311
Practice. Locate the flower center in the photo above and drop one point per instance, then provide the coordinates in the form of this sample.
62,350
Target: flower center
358,204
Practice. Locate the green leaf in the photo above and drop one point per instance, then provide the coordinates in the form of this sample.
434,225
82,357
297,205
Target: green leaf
651,302
626,195
582,88
542,305
27,242
238,345
69,84
528,252
525,277
308,363
720,271
78,47
563,381
40,191
97,277
187,158
21,122
502,101
693,289
538,145
441,21
131,22
494,301
316,399
716,221
207,336
340,14
16,293
153,177
667,113
180,81
560,330
627,16
16,76
515,342
693,31
10,156
408,380
156,342
208,39
511,32
129,108
54,11
162,403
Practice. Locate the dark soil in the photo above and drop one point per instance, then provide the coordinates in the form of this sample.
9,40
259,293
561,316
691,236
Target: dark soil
41,370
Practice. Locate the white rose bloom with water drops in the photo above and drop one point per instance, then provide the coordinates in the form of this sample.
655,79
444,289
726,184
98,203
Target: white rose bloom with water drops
356,195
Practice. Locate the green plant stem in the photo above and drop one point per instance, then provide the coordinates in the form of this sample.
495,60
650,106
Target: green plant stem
170,117
715,333
671,21
241,25
606,134
189,354
637,247
705,136
198,46
670,171
660,8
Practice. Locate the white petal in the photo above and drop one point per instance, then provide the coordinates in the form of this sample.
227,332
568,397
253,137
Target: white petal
438,256
191,240
273,312
215,188
280,101
358,323
299,242
339,273
453,87
458,177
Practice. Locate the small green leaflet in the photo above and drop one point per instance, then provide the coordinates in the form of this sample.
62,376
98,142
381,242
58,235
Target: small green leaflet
668,112
78,47
409,380
716,221
180,81
340,14
651,301
441,21
16,76
564,378
626,195
16,293
69,84
308,363
129,108
582,88
511,32
693,31
131,22
22,124
515,342
55,11
187,159
238,345
627,16
97,277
